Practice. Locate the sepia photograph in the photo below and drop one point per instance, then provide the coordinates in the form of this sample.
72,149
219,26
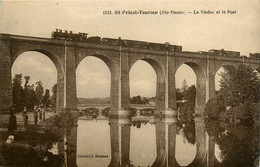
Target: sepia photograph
129,83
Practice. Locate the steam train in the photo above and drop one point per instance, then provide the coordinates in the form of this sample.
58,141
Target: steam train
83,37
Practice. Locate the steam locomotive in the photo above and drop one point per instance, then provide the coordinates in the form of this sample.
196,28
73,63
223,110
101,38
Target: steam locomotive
59,34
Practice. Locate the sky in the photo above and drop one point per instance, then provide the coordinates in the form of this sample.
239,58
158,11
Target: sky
238,32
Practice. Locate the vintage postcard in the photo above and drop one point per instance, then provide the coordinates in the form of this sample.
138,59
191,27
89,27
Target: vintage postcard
129,83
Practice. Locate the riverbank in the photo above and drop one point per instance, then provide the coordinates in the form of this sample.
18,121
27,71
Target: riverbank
33,146
4,120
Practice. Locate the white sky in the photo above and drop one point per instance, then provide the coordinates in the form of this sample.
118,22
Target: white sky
239,32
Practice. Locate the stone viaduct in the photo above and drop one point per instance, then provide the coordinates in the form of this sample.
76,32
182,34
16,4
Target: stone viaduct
66,56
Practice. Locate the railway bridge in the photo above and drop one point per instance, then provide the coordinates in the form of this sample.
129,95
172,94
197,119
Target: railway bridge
164,58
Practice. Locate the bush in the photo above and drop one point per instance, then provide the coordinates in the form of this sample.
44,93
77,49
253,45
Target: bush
24,155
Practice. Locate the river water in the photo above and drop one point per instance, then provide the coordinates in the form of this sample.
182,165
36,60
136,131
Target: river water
94,138
142,141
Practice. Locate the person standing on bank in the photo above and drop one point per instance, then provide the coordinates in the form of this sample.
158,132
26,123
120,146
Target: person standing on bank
40,112
25,117
12,120
35,115
43,113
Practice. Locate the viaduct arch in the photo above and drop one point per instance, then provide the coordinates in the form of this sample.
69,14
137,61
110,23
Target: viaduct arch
160,79
58,65
114,71
67,54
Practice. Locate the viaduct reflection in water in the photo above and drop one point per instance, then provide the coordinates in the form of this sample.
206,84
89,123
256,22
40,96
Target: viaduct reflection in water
166,130
124,144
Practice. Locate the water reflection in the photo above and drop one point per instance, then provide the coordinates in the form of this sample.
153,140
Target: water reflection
142,144
238,142
156,142
120,142
166,131
93,138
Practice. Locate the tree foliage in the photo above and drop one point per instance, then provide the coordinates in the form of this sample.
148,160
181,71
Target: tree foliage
18,93
239,145
179,94
238,94
215,108
239,85
184,86
188,108
39,90
26,95
190,95
46,98
54,94
139,100
23,96
29,94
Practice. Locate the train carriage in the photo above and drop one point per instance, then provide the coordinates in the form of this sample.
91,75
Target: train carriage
110,41
135,44
223,52
94,40
254,55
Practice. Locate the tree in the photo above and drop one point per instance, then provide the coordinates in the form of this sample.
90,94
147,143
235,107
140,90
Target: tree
144,100
179,94
215,108
18,93
139,100
46,98
54,94
30,98
188,107
239,85
238,94
39,91
190,95
27,78
242,112
239,145
184,86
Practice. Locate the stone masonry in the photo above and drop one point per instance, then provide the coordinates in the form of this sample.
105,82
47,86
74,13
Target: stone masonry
66,55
